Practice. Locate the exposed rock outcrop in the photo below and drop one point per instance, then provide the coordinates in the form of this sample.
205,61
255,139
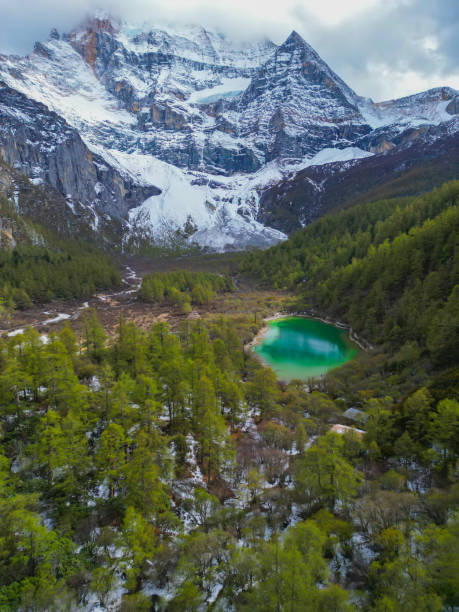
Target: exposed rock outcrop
47,150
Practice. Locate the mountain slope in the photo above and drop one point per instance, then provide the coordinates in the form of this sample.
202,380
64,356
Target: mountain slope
45,148
406,170
42,206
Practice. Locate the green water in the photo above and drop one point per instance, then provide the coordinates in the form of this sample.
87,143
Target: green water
296,347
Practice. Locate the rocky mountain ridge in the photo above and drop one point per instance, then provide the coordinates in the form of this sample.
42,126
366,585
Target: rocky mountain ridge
179,129
409,169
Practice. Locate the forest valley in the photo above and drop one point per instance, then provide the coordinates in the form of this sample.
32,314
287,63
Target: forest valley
161,467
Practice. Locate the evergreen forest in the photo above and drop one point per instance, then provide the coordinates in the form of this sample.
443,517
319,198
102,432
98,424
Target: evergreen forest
166,469
184,288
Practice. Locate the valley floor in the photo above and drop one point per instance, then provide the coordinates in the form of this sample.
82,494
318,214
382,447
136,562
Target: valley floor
112,305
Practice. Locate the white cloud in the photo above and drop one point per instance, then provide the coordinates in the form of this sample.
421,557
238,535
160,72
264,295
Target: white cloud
382,48
334,12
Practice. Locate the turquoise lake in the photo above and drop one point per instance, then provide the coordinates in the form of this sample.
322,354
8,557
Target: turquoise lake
301,348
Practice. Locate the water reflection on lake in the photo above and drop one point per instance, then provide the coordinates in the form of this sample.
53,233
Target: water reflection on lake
297,347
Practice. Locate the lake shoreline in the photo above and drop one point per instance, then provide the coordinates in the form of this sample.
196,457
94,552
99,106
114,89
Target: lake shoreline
351,336
363,344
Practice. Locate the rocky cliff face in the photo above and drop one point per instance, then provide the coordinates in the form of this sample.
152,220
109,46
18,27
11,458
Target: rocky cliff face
48,151
206,124
37,206
296,105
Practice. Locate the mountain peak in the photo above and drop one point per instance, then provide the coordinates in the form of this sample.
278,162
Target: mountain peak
295,38
296,43
297,57
101,14
100,21
192,105
54,34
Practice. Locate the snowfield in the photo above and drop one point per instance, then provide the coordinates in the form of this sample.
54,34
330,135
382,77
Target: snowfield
210,205
228,88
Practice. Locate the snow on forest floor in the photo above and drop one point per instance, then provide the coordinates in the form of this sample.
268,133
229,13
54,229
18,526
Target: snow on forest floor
15,332
196,474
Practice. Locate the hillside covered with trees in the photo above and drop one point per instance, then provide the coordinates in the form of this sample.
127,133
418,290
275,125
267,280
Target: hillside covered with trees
38,265
389,268
40,274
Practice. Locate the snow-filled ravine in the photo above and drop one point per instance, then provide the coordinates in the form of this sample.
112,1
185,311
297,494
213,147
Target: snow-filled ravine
221,211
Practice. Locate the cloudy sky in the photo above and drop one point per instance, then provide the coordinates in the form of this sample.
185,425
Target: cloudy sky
381,48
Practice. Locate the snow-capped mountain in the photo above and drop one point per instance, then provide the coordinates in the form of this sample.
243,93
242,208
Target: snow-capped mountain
209,122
